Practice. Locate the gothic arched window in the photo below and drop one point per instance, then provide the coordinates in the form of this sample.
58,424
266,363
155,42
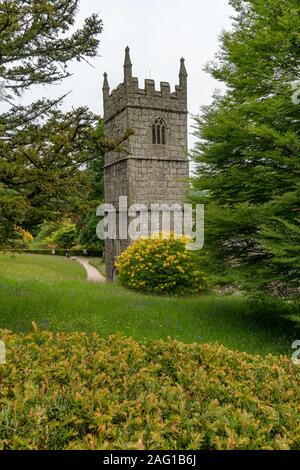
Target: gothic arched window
159,132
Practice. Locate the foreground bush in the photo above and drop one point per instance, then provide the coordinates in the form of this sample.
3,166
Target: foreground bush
160,266
72,391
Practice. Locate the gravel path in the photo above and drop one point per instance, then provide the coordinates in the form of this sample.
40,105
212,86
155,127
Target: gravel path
93,275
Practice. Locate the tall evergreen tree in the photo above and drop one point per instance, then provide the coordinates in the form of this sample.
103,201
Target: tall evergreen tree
248,151
42,150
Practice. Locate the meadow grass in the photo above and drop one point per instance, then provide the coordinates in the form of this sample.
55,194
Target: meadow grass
53,292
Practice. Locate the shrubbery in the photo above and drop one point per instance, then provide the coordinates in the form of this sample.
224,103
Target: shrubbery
71,391
160,265
65,236
62,252
26,236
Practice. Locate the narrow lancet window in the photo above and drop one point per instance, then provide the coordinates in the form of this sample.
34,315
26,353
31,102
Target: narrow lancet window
163,135
153,134
159,132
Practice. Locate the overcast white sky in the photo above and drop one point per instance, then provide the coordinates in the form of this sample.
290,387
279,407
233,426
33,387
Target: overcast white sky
159,33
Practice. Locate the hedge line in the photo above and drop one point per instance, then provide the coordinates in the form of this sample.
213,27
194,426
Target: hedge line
71,391
62,252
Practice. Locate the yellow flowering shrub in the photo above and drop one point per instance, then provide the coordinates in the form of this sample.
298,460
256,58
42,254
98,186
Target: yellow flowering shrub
76,391
161,266
26,236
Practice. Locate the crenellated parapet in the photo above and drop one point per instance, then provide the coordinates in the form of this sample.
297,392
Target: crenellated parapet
129,94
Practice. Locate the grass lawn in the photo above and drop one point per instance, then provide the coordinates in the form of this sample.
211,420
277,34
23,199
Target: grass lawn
53,292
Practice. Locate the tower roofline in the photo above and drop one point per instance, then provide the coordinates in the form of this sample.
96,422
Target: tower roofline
105,88
128,93
105,81
127,66
182,70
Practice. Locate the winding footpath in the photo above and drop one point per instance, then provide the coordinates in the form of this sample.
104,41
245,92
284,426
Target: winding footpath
93,275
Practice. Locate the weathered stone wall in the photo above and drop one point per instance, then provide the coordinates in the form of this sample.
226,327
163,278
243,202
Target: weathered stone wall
116,181
157,181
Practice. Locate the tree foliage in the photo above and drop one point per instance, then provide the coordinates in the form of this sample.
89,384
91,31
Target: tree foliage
247,154
43,151
65,236
36,43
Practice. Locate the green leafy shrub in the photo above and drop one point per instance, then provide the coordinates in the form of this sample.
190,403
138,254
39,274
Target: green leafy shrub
73,391
46,229
160,265
65,236
88,236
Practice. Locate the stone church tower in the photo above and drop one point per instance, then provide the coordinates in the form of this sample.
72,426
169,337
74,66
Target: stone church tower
155,169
